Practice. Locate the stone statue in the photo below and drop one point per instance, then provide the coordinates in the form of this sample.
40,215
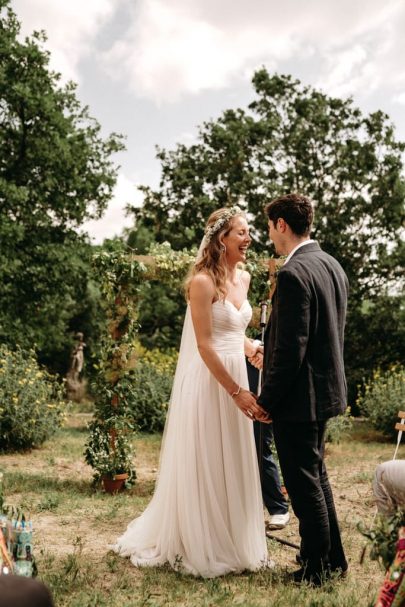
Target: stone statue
74,384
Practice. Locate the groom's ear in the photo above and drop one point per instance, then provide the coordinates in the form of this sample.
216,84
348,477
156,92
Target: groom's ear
281,223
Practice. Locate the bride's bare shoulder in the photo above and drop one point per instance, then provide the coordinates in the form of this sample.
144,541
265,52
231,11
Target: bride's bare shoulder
245,278
201,284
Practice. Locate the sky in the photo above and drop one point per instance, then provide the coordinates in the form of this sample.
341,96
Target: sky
154,70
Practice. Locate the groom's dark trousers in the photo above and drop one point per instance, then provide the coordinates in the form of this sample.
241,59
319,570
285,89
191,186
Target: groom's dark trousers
300,448
304,385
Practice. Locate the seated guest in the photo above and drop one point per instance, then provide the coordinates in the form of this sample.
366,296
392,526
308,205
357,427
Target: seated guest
389,486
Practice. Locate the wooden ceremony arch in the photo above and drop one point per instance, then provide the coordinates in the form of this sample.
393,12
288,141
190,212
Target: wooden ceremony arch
122,274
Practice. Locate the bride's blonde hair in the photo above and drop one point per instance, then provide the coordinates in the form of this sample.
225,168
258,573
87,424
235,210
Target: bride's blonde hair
212,258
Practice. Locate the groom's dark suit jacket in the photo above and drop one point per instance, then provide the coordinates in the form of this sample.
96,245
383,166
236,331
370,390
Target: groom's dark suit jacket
304,377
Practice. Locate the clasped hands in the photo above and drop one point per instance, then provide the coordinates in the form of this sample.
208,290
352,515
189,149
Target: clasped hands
247,402
257,358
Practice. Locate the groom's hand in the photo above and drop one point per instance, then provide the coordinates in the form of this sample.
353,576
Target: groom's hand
246,402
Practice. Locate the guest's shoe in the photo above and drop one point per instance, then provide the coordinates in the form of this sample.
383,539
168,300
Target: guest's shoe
278,521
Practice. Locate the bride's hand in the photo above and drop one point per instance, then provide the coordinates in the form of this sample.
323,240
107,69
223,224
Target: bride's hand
246,402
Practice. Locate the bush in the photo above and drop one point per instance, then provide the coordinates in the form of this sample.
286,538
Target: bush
164,361
383,397
383,537
146,389
30,401
338,427
148,396
108,456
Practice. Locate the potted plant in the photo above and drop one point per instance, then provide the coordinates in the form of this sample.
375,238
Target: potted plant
109,452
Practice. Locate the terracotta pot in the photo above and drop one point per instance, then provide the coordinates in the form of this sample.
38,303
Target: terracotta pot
122,477
114,485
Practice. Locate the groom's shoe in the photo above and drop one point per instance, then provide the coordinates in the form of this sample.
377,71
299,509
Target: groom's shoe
278,521
337,573
302,576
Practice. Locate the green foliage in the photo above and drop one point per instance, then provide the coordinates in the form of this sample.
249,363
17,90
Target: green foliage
384,537
148,396
338,427
55,172
108,448
383,397
375,338
295,138
163,306
292,138
163,361
109,454
31,406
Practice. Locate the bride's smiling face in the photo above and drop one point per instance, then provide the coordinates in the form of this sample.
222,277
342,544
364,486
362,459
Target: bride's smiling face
237,240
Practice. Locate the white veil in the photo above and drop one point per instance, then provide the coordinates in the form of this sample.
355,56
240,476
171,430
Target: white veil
187,350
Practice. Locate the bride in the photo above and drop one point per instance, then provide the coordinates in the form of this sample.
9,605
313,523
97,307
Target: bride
206,515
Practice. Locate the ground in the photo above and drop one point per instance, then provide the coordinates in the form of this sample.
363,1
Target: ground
73,525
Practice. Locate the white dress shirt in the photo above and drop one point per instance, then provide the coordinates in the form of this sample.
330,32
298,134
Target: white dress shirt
301,244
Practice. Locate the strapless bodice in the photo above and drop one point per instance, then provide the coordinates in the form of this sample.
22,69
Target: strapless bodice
229,325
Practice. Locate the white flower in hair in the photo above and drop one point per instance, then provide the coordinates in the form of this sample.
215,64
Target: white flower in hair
228,214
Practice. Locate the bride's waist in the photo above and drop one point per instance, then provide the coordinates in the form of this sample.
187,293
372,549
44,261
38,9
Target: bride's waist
230,345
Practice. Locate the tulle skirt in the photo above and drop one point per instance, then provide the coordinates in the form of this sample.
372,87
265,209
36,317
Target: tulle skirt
206,516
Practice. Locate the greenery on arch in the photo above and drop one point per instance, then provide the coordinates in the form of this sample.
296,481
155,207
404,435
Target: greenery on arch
121,275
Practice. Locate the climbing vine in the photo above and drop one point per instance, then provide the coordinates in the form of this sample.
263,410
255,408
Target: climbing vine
121,274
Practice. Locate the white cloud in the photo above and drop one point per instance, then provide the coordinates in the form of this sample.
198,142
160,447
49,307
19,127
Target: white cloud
399,98
168,51
188,46
70,26
114,219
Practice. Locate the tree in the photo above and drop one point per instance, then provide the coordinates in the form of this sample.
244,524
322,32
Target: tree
294,138
55,172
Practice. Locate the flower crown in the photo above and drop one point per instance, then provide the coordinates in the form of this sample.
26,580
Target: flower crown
228,214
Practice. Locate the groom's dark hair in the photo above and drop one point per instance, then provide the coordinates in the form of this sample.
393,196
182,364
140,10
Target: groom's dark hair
296,210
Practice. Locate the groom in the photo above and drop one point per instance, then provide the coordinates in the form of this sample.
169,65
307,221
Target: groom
304,379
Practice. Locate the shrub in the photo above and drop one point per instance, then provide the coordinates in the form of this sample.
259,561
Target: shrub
383,397
383,537
108,456
148,396
163,361
146,389
338,427
30,401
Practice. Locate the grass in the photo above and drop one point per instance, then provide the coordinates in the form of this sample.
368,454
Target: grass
73,525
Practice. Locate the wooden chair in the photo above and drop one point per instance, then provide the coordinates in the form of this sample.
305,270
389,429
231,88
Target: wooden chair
400,426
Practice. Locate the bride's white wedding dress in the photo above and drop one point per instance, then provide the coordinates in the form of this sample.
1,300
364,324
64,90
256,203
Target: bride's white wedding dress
206,516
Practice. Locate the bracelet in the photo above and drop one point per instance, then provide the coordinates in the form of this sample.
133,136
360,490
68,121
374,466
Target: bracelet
235,393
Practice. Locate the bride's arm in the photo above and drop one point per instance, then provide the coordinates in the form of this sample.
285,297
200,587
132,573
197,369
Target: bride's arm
202,294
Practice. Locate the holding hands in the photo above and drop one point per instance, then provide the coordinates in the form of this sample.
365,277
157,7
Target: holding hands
255,356
246,402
